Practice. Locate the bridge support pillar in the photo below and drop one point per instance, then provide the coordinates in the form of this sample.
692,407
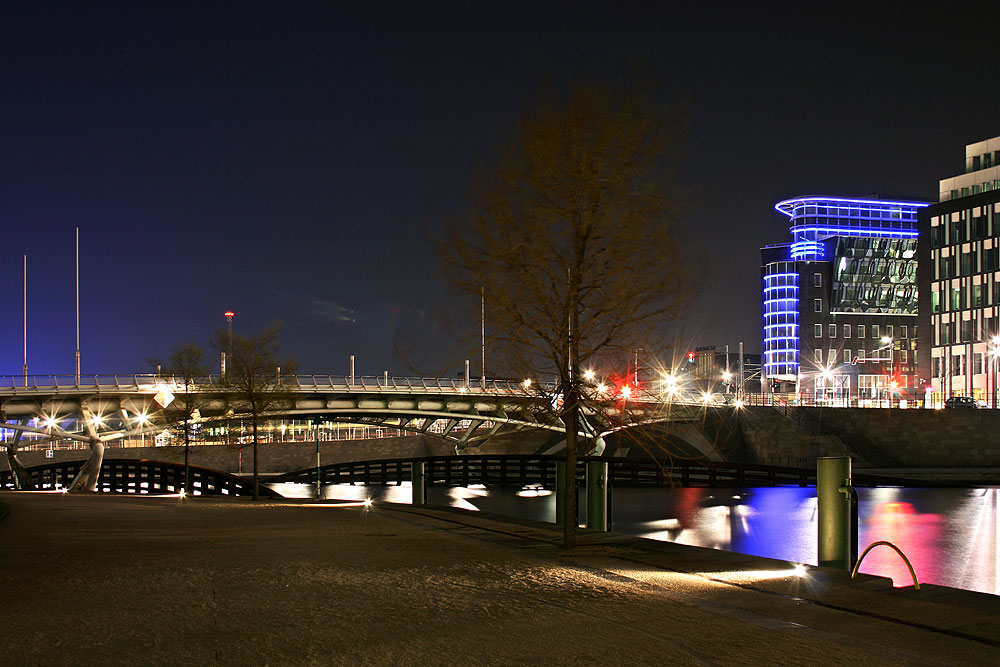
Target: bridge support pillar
834,513
86,479
418,480
597,495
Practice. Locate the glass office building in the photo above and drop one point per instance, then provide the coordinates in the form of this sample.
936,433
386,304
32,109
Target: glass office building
839,301
960,280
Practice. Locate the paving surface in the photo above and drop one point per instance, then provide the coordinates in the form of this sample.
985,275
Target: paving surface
102,580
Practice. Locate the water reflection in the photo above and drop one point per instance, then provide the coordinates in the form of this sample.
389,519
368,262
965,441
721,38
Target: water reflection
949,535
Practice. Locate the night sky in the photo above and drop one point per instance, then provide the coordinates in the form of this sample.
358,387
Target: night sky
285,160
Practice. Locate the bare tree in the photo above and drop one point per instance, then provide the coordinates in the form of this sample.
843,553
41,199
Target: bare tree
571,235
256,379
186,364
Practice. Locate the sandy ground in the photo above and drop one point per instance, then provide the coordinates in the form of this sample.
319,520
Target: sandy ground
102,580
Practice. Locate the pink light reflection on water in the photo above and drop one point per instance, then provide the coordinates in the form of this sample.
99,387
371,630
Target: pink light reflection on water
916,535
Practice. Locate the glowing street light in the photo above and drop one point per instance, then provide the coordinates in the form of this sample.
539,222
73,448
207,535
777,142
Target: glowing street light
626,392
996,357
602,388
589,375
527,383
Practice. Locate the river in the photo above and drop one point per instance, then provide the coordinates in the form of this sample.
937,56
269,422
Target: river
949,535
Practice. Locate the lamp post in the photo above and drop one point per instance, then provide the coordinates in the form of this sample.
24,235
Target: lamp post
887,345
996,355
317,420
229,315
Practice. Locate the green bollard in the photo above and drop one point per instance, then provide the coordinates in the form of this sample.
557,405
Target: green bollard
833,475
419,482
560,491
597,495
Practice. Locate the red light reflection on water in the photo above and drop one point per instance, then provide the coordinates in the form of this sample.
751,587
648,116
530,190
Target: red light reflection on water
917,535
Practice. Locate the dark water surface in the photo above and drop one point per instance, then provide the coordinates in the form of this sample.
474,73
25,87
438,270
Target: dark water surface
949,535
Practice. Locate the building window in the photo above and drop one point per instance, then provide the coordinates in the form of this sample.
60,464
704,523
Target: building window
888,330
817,305
847,357
818,330
902,332
979,363
875,331
967,330
817,280
861,354
833,330
902,356
861,331
847,331
818,356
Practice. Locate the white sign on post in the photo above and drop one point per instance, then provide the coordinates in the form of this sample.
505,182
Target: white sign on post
49,453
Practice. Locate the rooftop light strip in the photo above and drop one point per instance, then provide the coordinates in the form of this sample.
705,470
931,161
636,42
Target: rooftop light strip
787,206
856,231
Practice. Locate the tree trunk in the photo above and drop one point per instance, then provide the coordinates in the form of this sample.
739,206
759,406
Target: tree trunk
187,464
256,491
570,517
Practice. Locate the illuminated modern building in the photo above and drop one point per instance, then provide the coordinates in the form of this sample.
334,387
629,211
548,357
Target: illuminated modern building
960,280
840,300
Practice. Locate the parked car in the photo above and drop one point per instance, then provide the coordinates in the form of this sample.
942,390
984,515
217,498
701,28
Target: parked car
961,402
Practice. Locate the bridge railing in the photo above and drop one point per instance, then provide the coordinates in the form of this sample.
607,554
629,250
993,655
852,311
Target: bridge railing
151,382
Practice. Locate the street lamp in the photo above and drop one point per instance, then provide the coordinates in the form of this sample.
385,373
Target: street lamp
996,355
317,422
229,315
887,345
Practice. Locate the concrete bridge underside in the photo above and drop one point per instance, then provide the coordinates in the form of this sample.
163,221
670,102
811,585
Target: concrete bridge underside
464,416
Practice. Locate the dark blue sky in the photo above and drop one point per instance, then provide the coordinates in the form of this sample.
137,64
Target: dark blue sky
285,159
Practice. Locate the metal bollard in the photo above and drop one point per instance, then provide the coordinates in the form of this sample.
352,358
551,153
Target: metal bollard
418,480
836,513
597,495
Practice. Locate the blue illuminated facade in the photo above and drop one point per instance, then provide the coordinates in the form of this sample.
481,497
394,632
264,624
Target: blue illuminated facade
839,302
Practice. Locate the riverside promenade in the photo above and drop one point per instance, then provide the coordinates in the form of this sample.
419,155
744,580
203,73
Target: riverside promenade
124,580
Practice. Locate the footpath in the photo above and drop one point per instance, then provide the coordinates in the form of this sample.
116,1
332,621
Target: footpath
124,580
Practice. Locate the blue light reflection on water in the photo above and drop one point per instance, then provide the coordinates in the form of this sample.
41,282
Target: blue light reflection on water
949,535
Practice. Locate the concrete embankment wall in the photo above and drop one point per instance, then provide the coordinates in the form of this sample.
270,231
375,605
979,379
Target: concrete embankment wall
289,456
876,437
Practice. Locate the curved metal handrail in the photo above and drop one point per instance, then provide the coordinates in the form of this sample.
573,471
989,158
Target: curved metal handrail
916,584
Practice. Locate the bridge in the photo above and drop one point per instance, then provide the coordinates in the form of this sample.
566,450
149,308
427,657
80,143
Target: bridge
108,407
